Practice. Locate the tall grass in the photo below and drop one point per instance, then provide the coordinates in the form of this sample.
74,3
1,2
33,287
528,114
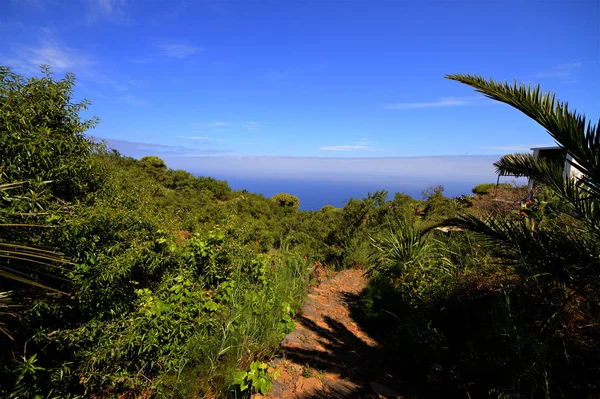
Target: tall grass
259,314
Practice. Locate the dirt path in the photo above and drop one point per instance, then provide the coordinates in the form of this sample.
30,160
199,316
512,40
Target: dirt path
328,355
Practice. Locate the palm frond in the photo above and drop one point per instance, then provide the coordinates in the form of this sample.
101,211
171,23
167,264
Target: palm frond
580,197
24,265
571,131
562,255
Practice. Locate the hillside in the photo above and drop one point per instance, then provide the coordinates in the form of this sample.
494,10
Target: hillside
123,278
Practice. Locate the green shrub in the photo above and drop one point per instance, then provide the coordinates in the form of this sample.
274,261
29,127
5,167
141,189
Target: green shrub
286,200
153,163
482,189
43,135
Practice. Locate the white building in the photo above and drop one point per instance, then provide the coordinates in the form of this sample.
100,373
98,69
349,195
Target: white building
560,155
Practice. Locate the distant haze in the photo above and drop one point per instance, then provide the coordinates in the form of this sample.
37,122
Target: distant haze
320,181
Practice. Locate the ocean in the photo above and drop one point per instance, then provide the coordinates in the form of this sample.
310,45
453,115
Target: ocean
314,195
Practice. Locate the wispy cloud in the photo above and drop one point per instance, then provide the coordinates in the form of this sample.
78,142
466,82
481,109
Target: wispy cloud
559,71
133,100
200,138
139,149
212,124
221,124
141,60
345,147
251,125
60,57
178,49
111,10
442,102
110,6
361,145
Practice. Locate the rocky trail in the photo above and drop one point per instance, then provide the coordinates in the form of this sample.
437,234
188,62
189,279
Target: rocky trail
328,355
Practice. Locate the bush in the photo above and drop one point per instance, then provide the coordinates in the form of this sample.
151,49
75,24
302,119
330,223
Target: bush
286,200
43,135
482,189
153,163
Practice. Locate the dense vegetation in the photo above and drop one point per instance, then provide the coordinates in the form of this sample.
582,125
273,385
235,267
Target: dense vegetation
124,277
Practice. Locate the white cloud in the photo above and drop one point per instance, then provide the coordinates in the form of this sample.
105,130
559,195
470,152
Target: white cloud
178,49
345,147
221,124
111,10
442,102
110,6
423,171
201,139
139,149
60,57
251,125
362,145
193,137
133,100
212,124
559,71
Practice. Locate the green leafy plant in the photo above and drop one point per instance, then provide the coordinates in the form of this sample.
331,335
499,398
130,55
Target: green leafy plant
43,135
256,379
576,242
401,252
286,200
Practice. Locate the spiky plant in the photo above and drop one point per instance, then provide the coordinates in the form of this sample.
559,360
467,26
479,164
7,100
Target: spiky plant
400,252
568,253
22,265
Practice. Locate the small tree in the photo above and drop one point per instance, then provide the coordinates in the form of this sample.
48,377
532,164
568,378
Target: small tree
286,200
42,135
154,163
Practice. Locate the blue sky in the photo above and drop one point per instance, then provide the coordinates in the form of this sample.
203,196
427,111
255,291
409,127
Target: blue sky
343,79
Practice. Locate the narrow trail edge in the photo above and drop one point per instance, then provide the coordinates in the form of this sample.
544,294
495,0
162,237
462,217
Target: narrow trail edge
329,355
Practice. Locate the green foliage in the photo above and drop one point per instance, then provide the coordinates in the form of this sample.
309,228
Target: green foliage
567,251
328,208
579,137
153,163
286,200
503,303
437,205
168,286
180,287
551,243
402,252
483,189
43,134
256,379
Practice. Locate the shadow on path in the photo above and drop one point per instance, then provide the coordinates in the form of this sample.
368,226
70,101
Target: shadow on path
330,356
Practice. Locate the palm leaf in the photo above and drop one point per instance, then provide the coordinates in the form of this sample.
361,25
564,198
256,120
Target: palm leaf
24,264
581,199
557,254
571,131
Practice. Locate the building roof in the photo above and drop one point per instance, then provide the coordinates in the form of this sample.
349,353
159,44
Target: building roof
547,148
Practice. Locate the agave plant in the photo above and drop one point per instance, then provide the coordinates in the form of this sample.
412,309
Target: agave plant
568,253
400,253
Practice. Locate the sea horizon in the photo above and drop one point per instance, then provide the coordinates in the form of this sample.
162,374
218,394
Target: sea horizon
314,194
